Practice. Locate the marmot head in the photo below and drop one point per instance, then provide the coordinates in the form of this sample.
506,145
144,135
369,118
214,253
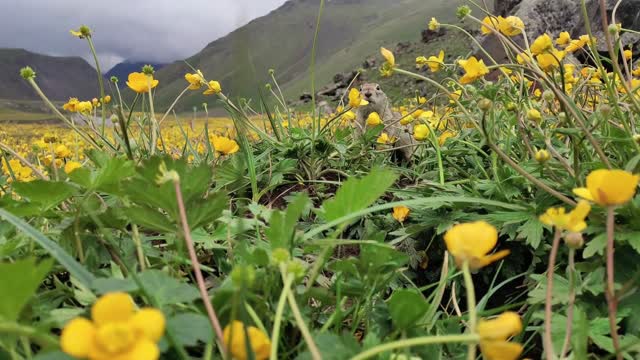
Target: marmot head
373,93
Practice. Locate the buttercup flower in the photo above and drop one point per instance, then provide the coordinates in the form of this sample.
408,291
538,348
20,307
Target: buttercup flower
71,105
474,69
627,54
235,338
420,132
213,88
384,139
70,166
471,242
62,151
534,115
434,25
572,221
494,334
400,213
435,63
139,82
374,119
541,44
609,187
117,331
550,60
511,26
489,23
224,145
386,69
84,107
356,99
196,81
563,39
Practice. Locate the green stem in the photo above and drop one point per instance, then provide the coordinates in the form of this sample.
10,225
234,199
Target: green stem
275,334
425,340
547,341
471,306
612,301
100,82
313,73
571,304
154,125
138,242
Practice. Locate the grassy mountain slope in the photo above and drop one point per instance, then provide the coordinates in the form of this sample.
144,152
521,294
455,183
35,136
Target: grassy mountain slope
59,77
123,69
282,40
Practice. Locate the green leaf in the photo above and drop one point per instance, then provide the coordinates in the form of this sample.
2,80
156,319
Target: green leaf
358,194
105,285
168,290
107,176
190,328
149,218
54,355
595,246
45,193
407,307
531,231
206,211
282,224
19,282
75,268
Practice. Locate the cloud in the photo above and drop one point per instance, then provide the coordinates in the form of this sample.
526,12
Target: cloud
139,30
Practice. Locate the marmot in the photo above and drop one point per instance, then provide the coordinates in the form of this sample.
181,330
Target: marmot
379,103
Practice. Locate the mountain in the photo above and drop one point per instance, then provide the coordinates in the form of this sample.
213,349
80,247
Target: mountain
123,69
350,31
58,77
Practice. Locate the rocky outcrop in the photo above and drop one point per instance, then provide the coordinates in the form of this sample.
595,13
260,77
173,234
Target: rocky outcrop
428,35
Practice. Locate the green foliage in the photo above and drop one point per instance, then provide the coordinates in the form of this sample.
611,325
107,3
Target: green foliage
19,282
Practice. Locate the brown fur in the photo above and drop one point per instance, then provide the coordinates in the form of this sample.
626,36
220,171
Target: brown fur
379,103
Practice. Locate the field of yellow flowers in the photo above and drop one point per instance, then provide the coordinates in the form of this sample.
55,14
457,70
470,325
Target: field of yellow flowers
126,233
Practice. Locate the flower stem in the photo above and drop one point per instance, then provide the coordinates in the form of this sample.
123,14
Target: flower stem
138,242
546,340
306,334
572,301
196,268
275,333
610,290
100,82
154,125
471,306
42,339
425,340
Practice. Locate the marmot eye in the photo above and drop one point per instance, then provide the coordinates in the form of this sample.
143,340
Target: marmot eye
378,87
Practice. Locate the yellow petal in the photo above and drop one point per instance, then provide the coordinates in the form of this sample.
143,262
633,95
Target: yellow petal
77,337
143,350
150,323
501,327
388,55
473,239
477,263
500,350
112,307
583,193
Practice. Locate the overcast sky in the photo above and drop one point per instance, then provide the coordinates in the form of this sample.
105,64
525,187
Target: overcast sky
140,30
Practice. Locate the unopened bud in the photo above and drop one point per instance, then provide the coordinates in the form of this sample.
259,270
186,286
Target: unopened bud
485,104
605,110
614,28
574,240
279,256
271,72
534,115
511,106
542,156
114,79
27,73
636,138
296,268
548,95
243,276
463,11
148,70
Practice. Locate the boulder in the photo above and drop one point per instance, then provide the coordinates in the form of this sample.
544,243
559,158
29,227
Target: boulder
428,35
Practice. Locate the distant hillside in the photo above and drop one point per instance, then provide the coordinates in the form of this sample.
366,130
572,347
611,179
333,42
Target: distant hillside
350,31
59,77
123,69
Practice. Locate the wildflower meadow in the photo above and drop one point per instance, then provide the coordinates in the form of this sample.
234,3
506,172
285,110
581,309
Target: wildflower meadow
493,218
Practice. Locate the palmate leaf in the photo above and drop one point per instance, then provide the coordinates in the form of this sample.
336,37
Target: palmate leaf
358,194
282,224
19,282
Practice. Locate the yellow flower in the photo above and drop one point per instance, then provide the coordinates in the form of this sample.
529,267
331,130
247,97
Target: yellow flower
442,139
541,44
572,221
70,166
534,115
421,61
224,145
474,69
542,156
235,338
388,56
384,139
374,119
106,99
84,107
213,88
139,82
196,81
627,54
435,63
116,332
434,25
511,26
550,61
356,99
636,71
489,23
349,115
575,45
400,213
422,100
71,105
95,102
523,58
609,187
563,39
494,334
62,151
471,242
420,132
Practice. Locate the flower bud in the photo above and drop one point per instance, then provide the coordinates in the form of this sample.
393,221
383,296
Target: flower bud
471,90
636,138
548,96
296,268
605,110
574,240
85,31
562,116
27,73
484,104
542,156
614,28
279,256
271,72
114,79
463,11
534,115
511,106
243,276
268,87
148,70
